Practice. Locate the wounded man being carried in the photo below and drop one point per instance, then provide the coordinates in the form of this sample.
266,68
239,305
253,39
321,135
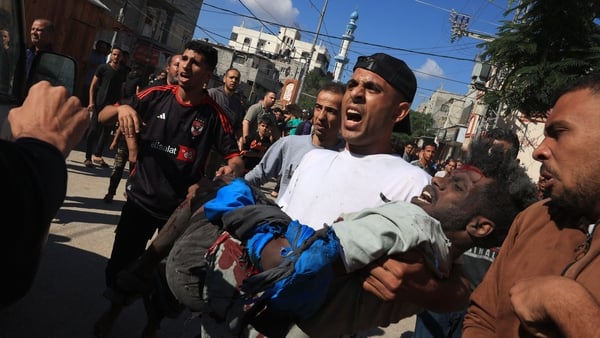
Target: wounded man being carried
265,274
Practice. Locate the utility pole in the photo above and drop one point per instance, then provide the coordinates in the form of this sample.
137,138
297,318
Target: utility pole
312,51
460,23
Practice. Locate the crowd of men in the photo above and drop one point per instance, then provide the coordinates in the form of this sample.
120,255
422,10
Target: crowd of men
536,277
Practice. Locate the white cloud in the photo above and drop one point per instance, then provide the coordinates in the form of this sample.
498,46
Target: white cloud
428,69
280,11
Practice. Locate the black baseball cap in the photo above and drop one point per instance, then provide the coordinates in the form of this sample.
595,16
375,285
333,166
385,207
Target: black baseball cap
393,70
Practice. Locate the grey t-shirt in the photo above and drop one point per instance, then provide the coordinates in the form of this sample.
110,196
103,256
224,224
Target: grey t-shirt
231,105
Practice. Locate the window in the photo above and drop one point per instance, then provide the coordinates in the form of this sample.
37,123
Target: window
261,44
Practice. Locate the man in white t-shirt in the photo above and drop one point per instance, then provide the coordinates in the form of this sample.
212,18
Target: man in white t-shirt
366,173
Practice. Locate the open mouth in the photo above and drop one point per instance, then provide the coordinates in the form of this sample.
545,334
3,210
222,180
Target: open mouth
353,115
426,196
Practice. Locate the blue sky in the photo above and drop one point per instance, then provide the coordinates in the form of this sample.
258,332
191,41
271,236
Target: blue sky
417,31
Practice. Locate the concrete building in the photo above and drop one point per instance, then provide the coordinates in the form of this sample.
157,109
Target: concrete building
160,28
286,49
258,74
450,113
442,106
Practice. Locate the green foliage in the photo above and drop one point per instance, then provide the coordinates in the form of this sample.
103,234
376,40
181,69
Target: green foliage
553,42
312,83
420,124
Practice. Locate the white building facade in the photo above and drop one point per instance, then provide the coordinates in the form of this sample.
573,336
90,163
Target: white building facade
286,49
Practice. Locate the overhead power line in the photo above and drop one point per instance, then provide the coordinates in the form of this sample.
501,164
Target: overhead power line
412,51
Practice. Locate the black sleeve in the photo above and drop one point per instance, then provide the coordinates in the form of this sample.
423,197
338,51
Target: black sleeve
34,182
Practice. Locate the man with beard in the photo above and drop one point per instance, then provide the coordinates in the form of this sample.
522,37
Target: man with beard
475,262
545,280
176,125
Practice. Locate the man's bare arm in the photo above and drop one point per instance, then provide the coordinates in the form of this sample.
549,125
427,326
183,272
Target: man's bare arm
92,99
406,277
108,115
245,132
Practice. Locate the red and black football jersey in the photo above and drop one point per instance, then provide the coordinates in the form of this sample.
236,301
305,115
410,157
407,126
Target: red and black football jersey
173,146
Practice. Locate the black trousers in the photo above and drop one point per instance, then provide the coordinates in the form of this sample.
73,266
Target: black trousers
134,230
96,137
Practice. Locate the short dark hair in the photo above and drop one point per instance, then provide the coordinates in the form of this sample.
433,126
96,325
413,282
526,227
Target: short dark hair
333,87
230,69
429,143
510,193
590,81
266,120
209,52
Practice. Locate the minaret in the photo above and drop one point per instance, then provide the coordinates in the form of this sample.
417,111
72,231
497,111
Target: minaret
342,58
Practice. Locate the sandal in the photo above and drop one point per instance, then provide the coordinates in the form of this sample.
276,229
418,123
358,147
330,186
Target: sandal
88,163
101,163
